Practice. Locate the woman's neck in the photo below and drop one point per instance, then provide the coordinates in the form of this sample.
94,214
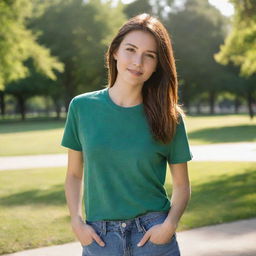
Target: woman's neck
125,95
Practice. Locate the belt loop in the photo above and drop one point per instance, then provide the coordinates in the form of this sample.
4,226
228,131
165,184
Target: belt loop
104,227
138,224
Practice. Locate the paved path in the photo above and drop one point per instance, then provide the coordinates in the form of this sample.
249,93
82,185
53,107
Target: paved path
214,152
229,239
244,151
33,161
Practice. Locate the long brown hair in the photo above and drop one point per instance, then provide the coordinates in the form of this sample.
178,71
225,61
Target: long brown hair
160,91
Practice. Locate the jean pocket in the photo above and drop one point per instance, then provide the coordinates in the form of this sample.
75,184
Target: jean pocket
86,245
155,221
172,239
97,226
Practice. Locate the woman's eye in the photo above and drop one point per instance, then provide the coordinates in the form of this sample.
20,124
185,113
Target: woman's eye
133,50
151,56
130,49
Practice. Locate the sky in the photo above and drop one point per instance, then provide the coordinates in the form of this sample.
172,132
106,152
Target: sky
224,6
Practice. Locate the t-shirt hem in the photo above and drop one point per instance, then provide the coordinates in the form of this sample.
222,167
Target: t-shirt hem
71,147
181,160
126,218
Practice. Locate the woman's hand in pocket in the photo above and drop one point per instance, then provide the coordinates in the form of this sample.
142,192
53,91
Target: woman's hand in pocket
158,234
85,233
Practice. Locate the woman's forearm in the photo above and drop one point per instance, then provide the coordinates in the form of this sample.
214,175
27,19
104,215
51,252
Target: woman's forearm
73,192
179,201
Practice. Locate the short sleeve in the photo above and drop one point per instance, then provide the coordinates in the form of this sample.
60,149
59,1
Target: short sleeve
70,137
179,146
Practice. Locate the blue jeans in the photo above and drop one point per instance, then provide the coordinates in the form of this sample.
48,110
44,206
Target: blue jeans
121,238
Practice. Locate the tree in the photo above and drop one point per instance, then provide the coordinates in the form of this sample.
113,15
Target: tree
19,44
197,30
137,7
34,84
79,32
239,48
154,7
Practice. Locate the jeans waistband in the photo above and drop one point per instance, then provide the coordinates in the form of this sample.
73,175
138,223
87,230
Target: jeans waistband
122,224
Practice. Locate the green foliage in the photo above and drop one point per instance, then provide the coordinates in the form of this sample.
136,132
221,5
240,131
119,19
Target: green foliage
34,84
154,7
240,45
245,9
18,44
137,7
197,30
78,33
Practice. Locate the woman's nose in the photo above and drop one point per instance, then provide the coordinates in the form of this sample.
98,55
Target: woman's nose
138,60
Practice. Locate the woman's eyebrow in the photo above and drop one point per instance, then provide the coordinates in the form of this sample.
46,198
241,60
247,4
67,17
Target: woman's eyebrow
137,48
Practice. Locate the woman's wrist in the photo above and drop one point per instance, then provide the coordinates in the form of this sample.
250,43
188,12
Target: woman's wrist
76,220
169,224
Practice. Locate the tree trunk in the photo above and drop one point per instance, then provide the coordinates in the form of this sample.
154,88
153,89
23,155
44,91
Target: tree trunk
47,106
57,107
249,103
70,88
198,108
185,97
2,103
22,107
236,104
212,102
187,106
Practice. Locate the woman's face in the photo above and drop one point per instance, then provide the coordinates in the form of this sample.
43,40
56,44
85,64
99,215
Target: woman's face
136,57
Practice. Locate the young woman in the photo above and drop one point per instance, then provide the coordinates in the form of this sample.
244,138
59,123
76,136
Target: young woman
120,139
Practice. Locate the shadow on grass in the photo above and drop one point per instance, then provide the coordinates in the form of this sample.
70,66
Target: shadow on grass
224,134
31,125
53,196
222,198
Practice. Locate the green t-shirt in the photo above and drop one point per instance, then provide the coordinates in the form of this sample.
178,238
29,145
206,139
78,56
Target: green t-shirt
124,167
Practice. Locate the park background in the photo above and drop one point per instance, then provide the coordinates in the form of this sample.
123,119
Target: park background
51,51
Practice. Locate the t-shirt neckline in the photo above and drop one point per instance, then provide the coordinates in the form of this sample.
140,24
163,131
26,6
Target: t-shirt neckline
113,104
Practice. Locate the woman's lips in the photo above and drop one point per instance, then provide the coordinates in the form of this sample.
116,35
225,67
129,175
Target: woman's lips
134,72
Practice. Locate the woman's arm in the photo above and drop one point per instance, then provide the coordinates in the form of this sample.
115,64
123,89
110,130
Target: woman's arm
73,184
161,233
181,193
73,191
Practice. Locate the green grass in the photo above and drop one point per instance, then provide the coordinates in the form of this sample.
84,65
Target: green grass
31,137
43,136
220,129
221,192
33,211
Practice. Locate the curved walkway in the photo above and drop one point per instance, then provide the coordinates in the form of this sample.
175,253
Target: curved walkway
244,151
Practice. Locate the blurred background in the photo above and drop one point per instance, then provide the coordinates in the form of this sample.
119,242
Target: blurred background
53,50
